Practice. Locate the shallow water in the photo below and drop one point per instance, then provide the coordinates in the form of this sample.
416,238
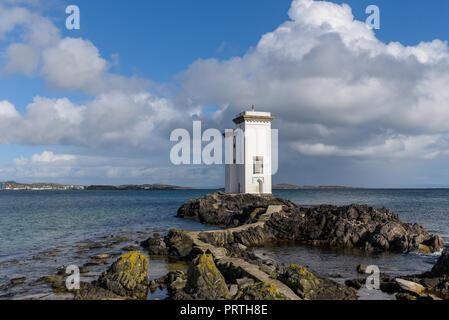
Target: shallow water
43,230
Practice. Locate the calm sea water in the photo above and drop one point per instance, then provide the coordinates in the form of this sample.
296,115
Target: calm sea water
42,230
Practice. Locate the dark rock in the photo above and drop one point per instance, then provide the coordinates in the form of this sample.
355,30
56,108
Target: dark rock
389,287
354,226
179,243
155,246
441,268
127,277
180,295
229,210
89,291
355,283
58,283
84,270
131,248
331,290
175,244
16,280
94,263
406,296
204,280
361,268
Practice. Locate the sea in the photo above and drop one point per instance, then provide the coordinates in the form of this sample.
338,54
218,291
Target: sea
42,232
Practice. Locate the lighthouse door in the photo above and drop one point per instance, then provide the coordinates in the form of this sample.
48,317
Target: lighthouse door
260,187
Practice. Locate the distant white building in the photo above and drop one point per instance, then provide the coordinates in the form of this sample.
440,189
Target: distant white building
250,171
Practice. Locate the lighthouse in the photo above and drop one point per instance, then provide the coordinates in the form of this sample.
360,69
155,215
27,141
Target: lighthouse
249,168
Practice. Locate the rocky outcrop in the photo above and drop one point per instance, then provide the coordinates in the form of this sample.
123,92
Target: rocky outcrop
354,226
229,210
204,280
127,277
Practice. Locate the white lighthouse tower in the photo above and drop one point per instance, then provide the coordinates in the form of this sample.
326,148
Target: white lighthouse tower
249,171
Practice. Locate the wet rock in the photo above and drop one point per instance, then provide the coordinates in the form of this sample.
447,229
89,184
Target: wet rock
155,246
131,248
84,270
301,281
89,291
361,268
174,281
259,291
355,283
204,280
176,244
441,268
229,210
389,287
179,242
331,290
57,282
94,263
180,295
410,286
16,280
406,296
102,256
153,286
127,277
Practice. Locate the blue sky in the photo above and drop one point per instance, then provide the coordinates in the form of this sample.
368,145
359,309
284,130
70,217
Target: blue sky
167,49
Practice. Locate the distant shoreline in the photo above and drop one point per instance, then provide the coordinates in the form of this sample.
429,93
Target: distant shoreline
14,186
293,187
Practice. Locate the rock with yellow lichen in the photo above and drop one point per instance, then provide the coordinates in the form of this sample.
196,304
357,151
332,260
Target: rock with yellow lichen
303,282
259,291
127,277
204,280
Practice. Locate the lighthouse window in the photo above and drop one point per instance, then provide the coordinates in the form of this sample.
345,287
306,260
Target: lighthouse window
258,165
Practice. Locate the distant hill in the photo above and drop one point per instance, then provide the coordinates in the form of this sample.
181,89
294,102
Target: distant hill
138,187
293,187
12,185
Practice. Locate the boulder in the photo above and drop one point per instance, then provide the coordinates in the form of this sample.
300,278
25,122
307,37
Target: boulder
409,286
204,280
179,243
441,268
301,281
176,244
259,291
127,277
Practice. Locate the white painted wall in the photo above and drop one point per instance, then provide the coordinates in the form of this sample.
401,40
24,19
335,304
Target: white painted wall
257,143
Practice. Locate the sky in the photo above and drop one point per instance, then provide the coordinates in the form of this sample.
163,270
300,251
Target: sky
353,106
